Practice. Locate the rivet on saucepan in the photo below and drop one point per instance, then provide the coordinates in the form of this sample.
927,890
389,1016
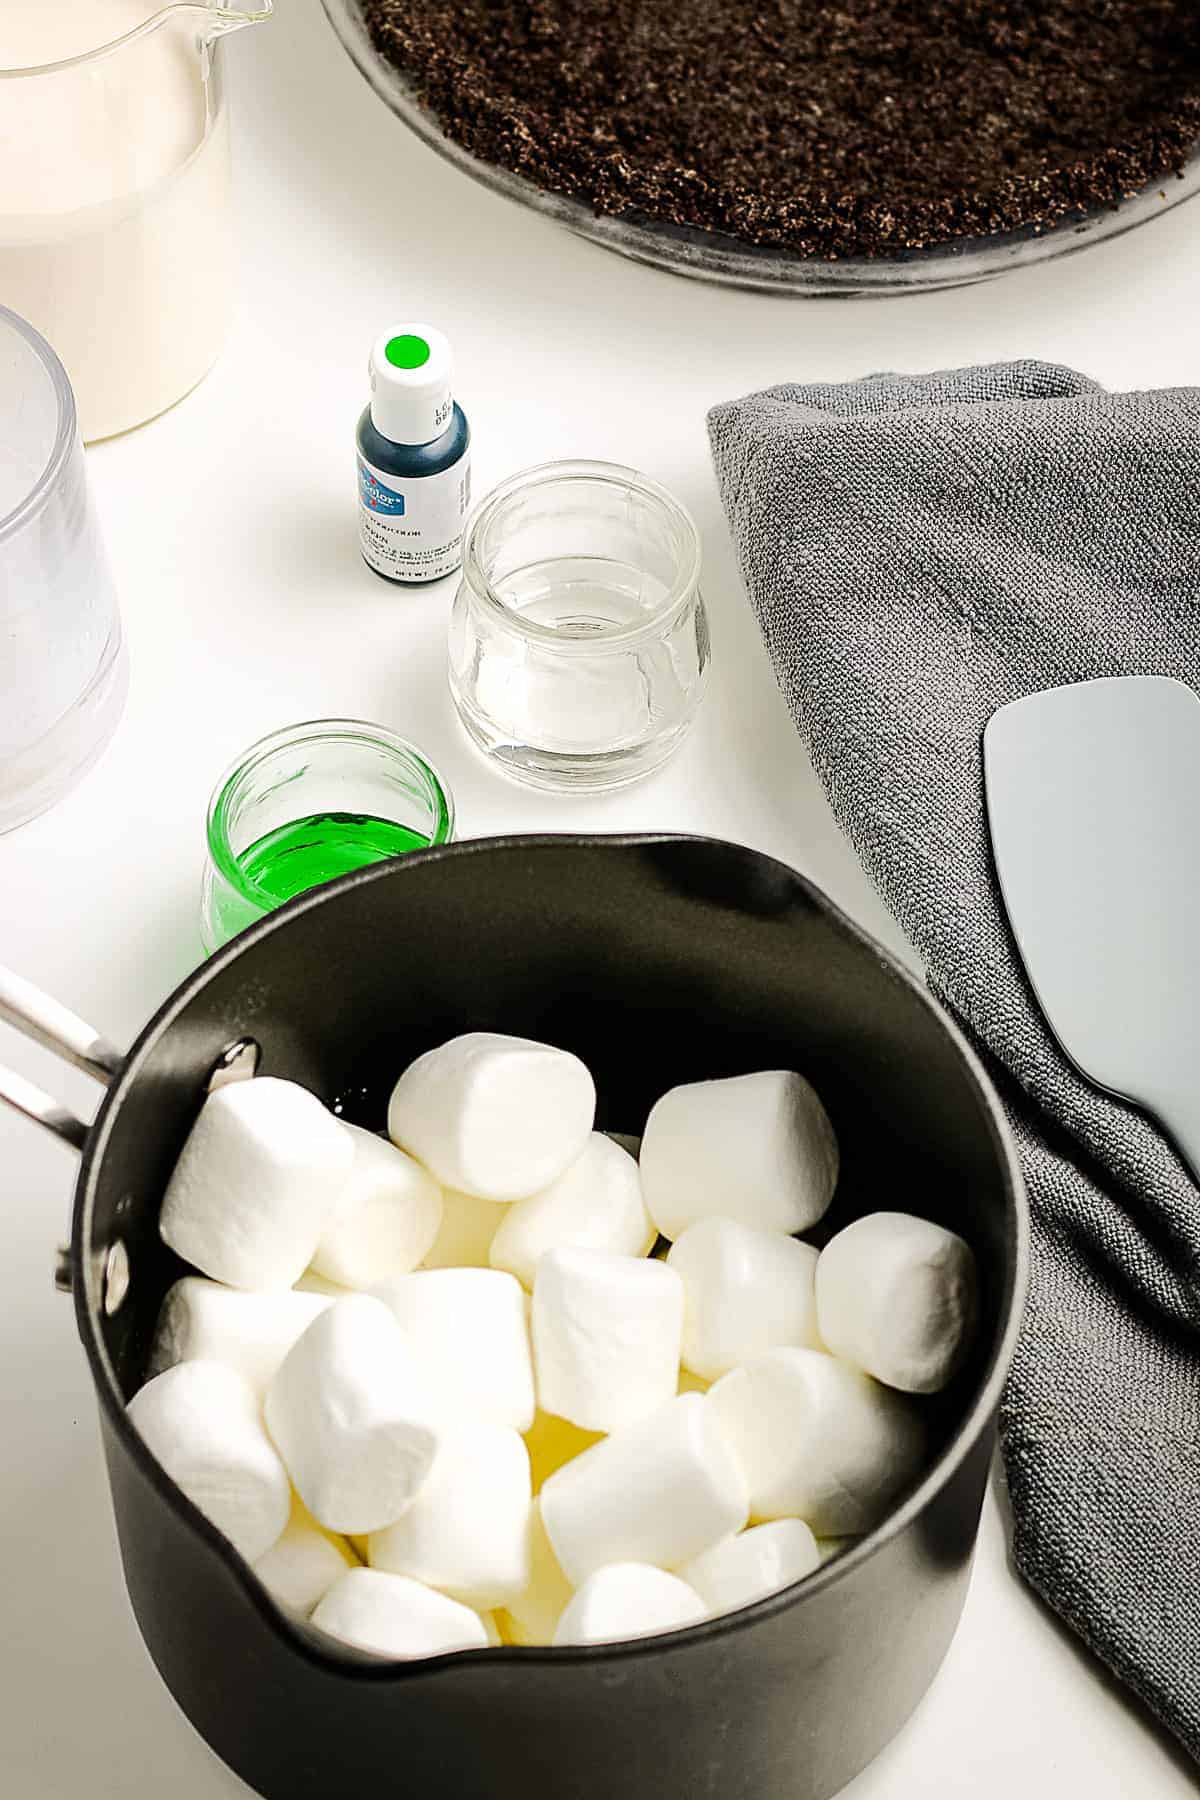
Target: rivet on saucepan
237,1062
116,1278
62,1268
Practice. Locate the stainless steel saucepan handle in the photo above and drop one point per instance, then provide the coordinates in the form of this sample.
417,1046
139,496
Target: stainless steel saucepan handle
43,1019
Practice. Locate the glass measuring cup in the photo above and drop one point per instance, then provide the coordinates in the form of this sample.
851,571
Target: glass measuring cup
62,670
115,230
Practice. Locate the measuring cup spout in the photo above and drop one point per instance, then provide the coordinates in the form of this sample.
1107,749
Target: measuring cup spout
208,20
222,20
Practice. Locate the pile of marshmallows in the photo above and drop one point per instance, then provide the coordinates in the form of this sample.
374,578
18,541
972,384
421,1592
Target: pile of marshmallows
365,1380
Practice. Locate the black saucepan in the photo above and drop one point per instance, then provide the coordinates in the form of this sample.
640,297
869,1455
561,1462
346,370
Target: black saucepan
658,960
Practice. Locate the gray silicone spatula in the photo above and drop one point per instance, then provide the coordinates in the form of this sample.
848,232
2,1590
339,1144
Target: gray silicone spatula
1093,801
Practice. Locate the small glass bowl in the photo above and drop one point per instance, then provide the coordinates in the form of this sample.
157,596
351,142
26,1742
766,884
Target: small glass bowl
331,775
578,638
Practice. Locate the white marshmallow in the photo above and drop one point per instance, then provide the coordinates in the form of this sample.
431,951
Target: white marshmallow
260,1175
758,1148
465,1235
533,1614
303,1565
500,1117
896,1296
755,1563
818,1440
659,1491
352,1415
201,1421
745,1291
252,1333
595,1205
628,1600
312,1283
386,1220
393,1616
491,1627
606,1336
468,1530
467,1329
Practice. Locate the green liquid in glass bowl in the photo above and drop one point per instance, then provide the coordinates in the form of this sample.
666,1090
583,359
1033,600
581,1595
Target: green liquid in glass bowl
301,855
308,805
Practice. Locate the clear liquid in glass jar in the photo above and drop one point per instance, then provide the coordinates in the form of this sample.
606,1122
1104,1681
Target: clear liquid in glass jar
579,643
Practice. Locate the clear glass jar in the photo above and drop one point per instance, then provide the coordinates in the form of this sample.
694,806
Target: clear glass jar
578,639
62,661
308,804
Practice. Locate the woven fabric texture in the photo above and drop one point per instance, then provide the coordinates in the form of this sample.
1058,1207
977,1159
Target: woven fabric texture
920,550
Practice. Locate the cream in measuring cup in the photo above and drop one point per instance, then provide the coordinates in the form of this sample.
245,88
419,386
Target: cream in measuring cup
114,194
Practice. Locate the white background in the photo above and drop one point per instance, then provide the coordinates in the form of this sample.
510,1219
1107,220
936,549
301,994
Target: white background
231,526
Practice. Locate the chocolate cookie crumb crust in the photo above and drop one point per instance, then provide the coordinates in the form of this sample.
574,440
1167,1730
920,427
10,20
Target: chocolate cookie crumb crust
862,129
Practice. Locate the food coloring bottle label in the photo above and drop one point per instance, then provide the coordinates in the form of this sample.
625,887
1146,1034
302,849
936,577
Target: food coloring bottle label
410,528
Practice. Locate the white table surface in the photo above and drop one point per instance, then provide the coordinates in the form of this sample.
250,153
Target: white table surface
231,526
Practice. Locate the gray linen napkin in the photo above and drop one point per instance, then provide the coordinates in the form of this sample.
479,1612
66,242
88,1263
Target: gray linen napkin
920,550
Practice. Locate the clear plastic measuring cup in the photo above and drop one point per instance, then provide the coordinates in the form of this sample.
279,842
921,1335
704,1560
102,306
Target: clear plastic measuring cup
62,667
115,229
